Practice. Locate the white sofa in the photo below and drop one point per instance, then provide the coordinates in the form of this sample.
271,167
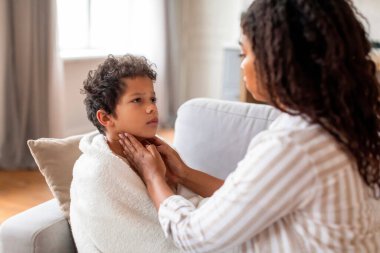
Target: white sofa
210,135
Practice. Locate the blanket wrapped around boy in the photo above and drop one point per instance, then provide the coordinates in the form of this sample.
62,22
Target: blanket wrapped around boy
110,207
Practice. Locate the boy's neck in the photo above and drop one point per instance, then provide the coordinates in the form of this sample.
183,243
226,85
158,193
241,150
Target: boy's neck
114,144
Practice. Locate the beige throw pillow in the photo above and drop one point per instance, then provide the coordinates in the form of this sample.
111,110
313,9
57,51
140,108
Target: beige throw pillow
55,159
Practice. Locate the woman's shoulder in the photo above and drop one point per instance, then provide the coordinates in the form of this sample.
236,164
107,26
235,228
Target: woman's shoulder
309,140
295,136
294,129
288,133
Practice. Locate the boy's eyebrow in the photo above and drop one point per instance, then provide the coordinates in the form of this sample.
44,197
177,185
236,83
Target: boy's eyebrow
141,93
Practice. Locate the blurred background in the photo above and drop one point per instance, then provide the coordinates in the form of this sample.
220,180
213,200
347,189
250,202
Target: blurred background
47,48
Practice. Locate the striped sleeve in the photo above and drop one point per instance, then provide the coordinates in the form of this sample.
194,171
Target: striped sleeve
274,179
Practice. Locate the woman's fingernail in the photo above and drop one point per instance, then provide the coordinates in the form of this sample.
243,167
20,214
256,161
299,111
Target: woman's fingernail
126,134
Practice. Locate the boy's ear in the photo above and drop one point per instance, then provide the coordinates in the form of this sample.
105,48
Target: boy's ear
104,118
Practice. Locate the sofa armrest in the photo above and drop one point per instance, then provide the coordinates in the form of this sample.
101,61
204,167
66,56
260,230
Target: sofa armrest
40,229
213,135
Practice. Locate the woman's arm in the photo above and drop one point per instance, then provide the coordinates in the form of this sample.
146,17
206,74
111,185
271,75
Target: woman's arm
147,162
199,182
271,182
158,190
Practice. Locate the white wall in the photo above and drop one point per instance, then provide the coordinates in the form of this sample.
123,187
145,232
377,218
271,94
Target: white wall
371,10
2,63
74,112
207,26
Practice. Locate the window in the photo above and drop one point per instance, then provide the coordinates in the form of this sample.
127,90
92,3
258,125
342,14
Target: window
100,26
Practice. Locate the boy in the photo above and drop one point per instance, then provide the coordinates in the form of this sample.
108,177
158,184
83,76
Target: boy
110,209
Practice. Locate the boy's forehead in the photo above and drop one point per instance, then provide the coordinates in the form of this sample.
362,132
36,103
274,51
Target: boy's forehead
138,85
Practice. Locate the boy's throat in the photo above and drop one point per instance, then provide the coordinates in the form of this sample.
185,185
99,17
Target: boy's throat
115,146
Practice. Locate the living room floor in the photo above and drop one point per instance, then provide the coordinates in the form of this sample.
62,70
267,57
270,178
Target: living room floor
21,190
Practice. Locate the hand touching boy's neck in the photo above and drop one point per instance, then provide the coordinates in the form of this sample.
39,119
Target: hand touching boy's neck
114,144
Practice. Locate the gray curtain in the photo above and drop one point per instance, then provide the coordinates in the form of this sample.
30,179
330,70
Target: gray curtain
175,59
29,49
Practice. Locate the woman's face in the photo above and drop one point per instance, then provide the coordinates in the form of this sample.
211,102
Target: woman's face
249,70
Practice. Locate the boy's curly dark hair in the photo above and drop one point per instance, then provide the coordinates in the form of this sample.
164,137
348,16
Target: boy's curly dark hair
312,56
104,86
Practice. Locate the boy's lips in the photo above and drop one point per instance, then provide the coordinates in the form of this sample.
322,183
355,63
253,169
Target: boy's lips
152,121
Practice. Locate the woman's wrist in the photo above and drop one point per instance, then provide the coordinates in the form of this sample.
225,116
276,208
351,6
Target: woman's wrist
158,190
152,177
185,173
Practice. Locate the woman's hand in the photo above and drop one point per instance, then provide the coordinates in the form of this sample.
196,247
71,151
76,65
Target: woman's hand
149,165
151,168
146,161
177,169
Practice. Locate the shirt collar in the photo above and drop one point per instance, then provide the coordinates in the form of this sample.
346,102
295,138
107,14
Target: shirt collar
286,121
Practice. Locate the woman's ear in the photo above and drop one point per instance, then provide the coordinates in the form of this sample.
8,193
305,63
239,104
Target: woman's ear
104,118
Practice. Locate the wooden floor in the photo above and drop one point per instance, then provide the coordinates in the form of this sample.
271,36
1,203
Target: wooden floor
20,190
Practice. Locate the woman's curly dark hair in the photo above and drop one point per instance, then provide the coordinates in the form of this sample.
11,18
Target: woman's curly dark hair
312,57
104,86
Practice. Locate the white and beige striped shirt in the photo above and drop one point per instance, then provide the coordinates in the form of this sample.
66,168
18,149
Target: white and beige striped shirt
295,191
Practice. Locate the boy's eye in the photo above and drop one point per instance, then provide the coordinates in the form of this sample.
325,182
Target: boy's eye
136,100
154,100
241,55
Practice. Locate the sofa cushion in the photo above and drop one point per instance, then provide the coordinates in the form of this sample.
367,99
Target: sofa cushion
55,159
40,229
206,128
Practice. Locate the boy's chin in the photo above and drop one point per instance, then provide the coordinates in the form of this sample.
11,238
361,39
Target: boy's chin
145,136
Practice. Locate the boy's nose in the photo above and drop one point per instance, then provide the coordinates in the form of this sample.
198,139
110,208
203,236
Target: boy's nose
151,108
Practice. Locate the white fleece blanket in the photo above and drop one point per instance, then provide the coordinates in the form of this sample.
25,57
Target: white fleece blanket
110,207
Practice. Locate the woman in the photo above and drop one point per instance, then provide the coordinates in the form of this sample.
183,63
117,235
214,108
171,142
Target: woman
310,183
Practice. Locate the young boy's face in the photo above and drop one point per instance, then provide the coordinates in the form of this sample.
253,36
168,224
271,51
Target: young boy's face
136,111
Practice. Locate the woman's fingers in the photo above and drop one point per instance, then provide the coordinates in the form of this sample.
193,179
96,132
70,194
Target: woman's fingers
165,149
162,147
130,152
126,143
153,150
129,156
157,141
131,161
130,143
144,159
133,142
